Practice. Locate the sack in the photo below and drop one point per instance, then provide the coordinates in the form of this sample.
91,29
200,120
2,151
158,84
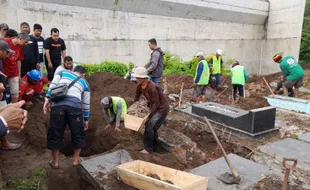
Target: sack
60,92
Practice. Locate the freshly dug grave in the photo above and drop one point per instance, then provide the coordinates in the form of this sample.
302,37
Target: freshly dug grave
33,154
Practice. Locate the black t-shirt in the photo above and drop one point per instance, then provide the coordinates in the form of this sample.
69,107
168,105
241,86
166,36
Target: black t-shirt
55,48
40,42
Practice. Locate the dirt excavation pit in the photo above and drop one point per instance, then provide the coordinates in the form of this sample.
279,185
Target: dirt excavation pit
186,152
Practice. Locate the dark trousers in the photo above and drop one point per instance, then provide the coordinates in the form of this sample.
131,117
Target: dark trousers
51,71
290,90
150,134
240,88
60,117
27,66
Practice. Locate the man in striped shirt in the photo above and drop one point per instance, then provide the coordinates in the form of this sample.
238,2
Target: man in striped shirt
73,111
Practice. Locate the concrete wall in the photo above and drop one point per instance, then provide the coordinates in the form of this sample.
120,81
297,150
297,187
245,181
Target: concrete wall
96,30
284,28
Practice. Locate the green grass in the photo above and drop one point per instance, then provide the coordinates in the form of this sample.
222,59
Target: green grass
35,181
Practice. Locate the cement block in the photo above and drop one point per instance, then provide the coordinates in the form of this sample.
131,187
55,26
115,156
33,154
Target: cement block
304,137
253,121
97,168
249,176
290,148
262,119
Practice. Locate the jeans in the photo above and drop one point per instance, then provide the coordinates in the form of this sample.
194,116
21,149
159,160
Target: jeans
155,80
240,88
150,138
60,117
217,81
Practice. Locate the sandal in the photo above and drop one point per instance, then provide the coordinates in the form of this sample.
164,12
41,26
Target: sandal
13,147
52,165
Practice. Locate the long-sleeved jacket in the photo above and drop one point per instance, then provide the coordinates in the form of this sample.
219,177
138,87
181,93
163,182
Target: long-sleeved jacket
154,96
156,64
78,95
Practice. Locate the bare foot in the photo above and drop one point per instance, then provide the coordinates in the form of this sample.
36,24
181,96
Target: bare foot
53,165
144,151
75,163
118,129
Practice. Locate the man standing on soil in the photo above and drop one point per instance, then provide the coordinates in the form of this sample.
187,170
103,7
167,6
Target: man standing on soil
114,109
292,71
67,65
159,108
202,77
239,77
156,64
12,64
31,53
73,110
55,48
217,64
37,30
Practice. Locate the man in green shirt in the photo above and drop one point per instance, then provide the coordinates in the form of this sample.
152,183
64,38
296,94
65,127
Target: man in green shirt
292,72
239,77
202,77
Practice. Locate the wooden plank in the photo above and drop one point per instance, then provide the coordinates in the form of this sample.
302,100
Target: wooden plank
134,174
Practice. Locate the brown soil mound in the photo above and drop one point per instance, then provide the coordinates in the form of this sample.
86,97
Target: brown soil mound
175,82
33,154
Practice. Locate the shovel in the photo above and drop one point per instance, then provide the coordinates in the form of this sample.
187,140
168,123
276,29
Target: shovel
227,178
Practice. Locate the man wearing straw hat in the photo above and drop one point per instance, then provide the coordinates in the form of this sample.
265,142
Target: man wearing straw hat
158,104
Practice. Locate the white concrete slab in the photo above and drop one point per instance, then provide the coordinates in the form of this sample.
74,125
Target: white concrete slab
304,137
245,168
290,148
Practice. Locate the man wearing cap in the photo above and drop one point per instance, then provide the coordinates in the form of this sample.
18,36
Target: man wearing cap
202,77
114,109
292,72
239,77
217,64
31,52
3,29
159,108
7,113
12,64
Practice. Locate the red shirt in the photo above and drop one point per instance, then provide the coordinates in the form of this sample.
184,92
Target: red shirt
26,90
10,67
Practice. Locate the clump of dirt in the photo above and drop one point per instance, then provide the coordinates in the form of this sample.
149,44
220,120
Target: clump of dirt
155,176
139,109
175,82
272,183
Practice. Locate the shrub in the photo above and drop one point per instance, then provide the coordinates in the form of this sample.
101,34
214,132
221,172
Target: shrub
116,68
